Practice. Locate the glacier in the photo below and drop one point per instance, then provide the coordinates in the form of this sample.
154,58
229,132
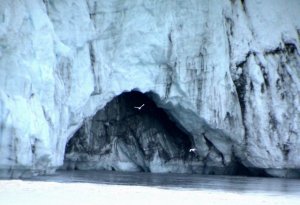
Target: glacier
226,72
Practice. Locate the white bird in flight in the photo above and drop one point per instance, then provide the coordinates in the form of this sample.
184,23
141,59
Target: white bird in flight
192,150
140,107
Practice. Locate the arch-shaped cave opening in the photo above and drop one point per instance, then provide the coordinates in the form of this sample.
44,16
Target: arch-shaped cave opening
131,133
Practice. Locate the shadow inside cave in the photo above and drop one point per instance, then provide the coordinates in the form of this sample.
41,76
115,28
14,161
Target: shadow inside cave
123,137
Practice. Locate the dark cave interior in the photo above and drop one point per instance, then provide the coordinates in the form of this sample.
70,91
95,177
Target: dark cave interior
140,132
136,99
124,119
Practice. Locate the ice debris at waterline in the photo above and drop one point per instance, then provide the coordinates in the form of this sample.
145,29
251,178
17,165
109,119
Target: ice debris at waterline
227,73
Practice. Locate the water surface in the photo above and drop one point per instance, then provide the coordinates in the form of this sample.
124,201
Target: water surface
180,181
93,187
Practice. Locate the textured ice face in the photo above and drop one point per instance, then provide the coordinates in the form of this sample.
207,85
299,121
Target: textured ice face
232,65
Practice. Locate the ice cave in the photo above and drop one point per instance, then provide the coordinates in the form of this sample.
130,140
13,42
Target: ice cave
122,136
219,77
131,133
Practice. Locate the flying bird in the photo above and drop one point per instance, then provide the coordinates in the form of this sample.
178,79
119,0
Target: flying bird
140,107
192,150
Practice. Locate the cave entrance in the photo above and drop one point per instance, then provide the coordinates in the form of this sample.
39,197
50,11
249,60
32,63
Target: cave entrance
131,133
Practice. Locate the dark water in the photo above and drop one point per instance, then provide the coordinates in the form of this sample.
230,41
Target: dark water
180,181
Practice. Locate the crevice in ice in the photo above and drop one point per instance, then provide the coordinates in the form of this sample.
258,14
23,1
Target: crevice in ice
97,88
272,121
92,6
92,55
243,5
288,48
47,118
13,148
229,23
262,88
64,67
169,79
265,76
241,82
46,2
286,150
169,69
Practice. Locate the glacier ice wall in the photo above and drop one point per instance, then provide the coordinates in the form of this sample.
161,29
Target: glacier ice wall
228,68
